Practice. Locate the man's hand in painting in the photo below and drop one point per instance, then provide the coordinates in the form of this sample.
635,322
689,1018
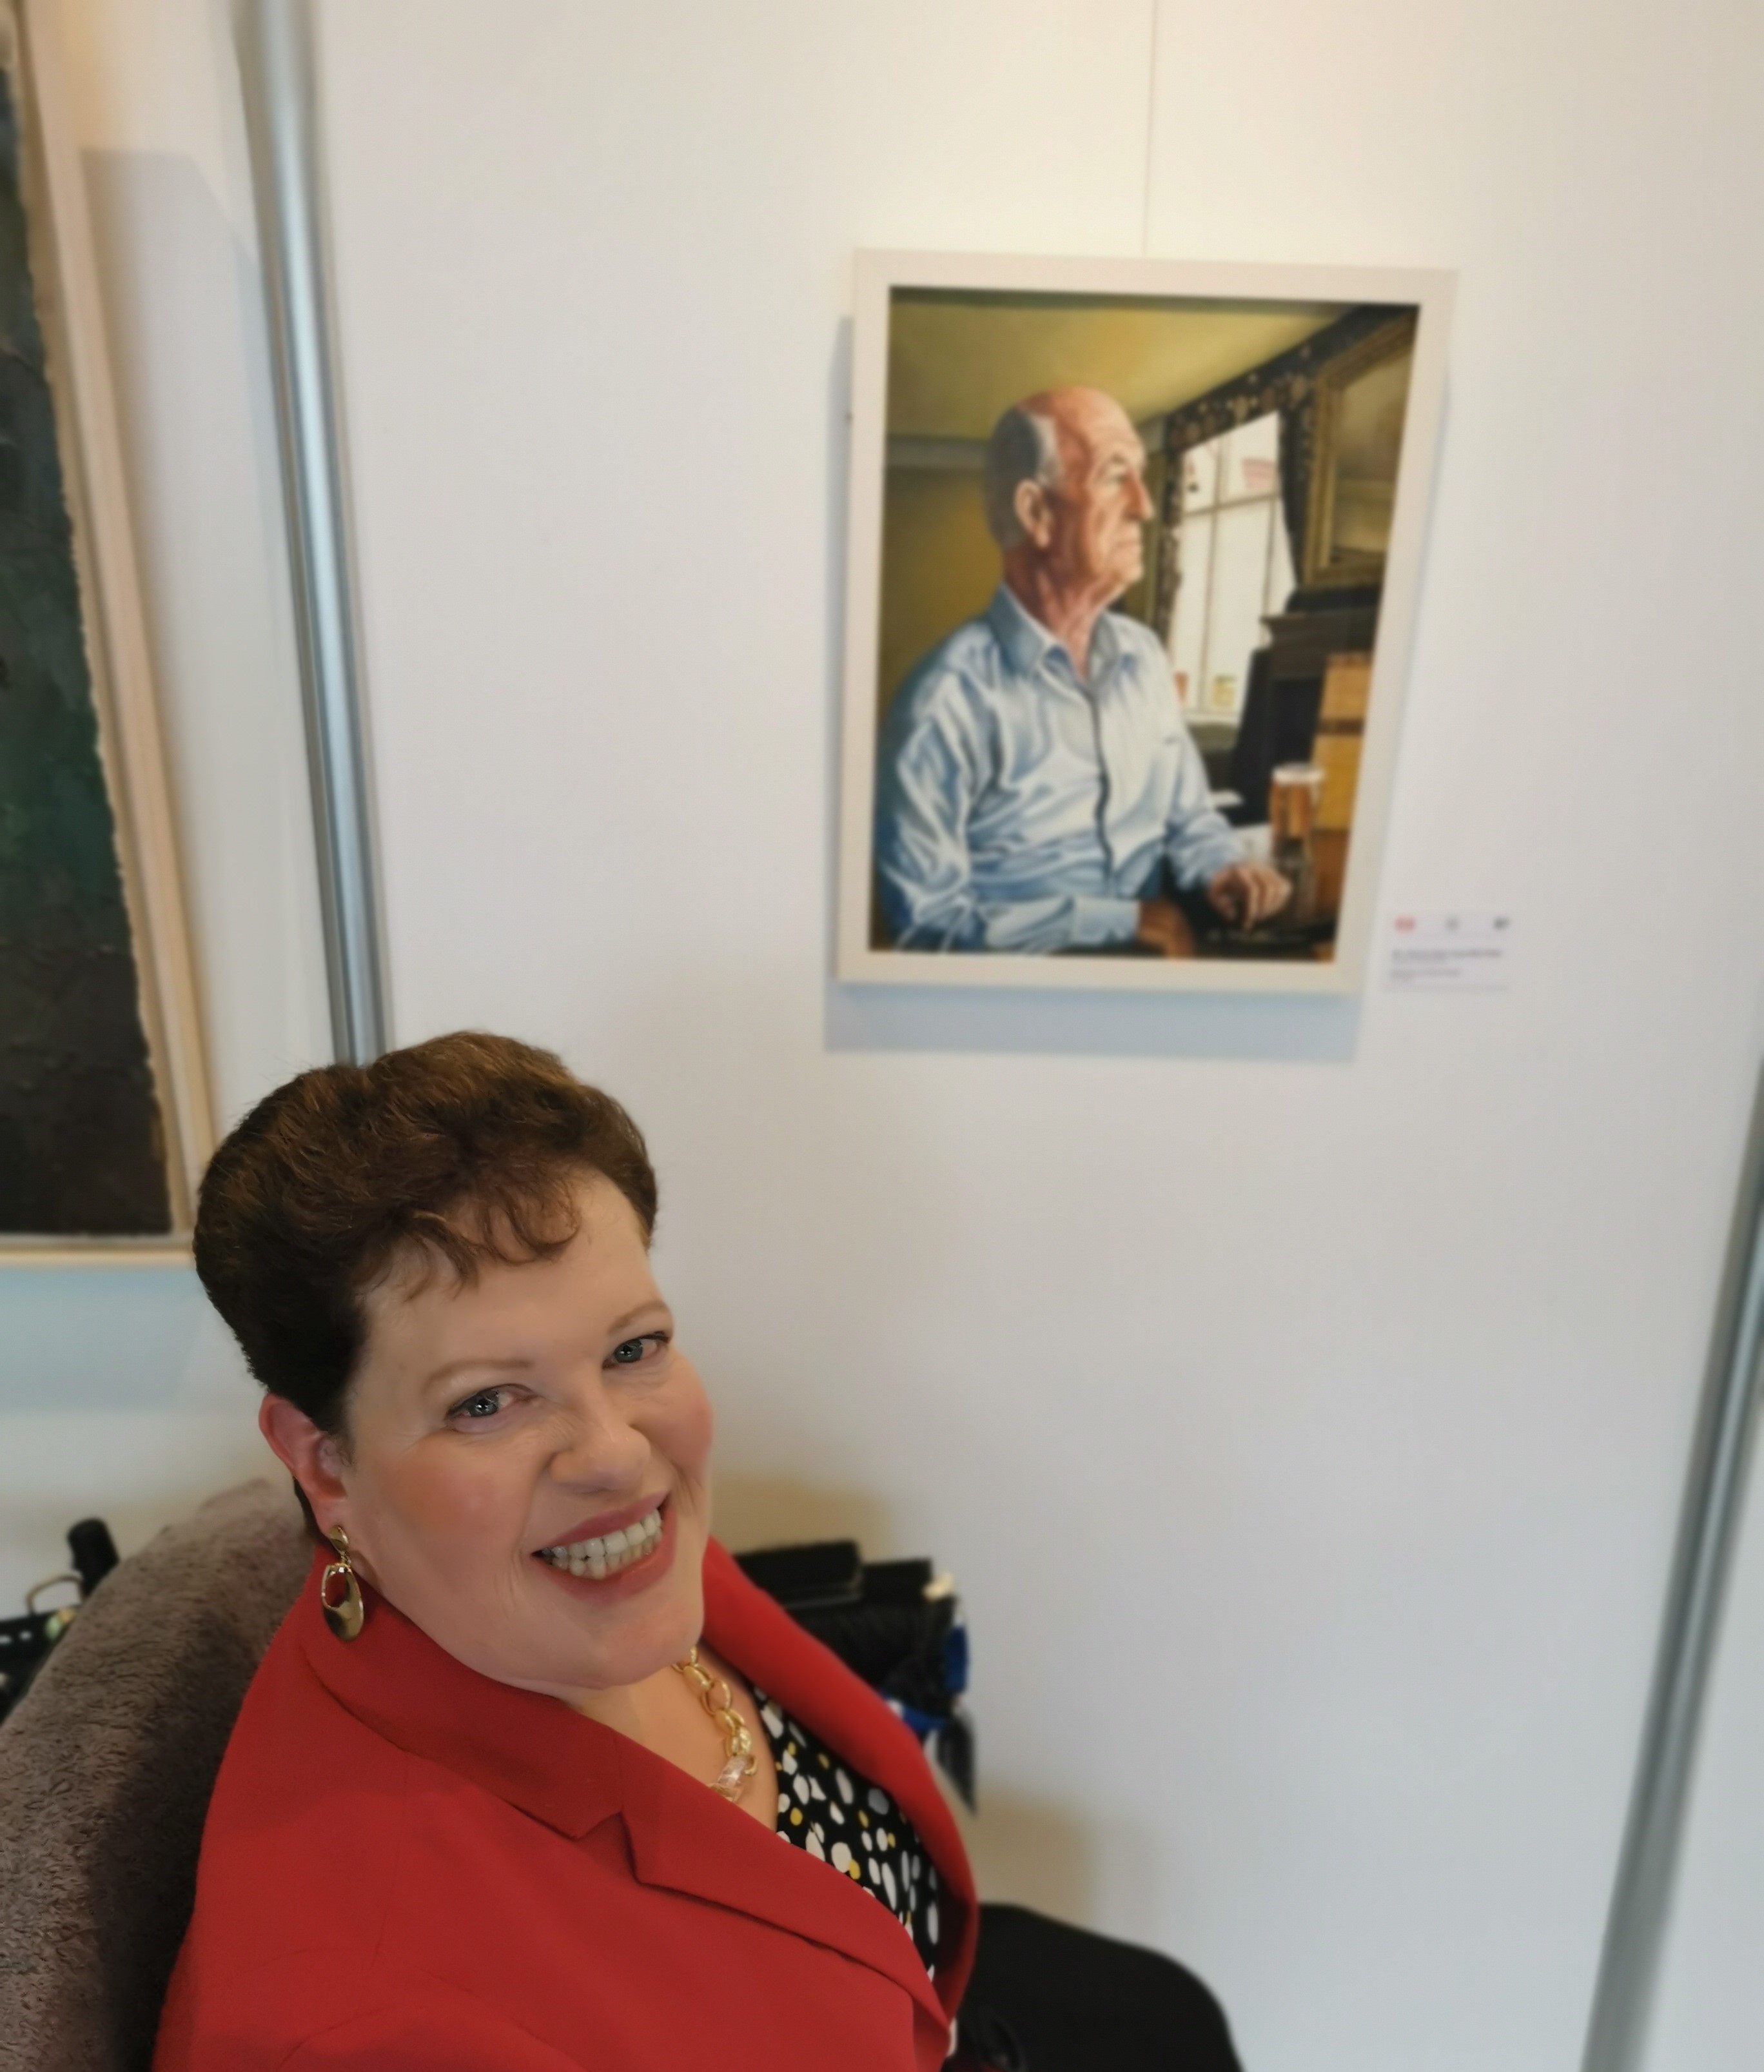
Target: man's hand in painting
1247,893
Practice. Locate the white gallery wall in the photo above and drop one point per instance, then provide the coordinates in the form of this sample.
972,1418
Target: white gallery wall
1300,1391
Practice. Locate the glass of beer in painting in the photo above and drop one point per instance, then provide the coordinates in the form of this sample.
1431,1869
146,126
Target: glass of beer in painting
1294,792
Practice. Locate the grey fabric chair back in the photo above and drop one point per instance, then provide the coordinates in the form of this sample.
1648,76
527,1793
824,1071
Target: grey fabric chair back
106,1766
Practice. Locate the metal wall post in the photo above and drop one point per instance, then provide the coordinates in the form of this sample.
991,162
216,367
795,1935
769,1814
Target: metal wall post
1714,1493
278,63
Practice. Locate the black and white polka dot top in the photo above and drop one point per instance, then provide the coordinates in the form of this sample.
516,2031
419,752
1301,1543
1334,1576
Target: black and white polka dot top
827,1808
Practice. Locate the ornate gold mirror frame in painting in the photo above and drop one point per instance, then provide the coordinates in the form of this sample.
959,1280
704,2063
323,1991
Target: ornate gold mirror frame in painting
1360,402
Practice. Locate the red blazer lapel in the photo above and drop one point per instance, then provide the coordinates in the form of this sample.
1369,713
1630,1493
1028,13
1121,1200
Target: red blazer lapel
755,1633
683,1836
572,1774
530,1750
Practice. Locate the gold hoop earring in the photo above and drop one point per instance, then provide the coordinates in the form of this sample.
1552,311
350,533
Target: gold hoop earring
345,1616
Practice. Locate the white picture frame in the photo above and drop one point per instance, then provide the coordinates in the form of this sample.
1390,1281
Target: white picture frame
889,283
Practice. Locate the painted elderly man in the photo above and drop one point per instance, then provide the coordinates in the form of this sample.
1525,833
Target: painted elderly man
1037,789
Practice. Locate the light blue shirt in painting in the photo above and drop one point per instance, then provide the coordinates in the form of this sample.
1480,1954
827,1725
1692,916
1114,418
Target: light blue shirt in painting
1020,808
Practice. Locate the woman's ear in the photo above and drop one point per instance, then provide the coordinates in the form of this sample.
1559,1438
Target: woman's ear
311,1456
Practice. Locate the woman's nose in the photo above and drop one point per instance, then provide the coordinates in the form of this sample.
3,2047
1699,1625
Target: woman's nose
600,1449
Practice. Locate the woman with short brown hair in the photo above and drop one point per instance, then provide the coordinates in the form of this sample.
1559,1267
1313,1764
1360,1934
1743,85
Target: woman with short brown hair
508,1792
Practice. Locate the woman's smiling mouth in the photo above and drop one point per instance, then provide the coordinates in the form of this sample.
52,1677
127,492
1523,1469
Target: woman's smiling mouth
608,1553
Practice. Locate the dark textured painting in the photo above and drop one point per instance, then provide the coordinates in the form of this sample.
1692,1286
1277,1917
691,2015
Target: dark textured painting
82,1148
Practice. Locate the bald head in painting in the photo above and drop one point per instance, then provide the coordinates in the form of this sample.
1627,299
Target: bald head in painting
1066,501
1037,787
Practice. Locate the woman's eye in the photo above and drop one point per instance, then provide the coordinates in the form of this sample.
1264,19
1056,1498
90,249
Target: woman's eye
634,1351
485,1404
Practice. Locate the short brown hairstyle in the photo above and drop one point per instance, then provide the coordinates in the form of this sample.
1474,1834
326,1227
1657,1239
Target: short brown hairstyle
468,1147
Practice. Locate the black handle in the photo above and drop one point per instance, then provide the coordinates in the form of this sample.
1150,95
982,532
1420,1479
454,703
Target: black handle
94,1552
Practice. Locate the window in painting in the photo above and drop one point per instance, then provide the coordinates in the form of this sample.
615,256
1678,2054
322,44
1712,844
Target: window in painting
1236,566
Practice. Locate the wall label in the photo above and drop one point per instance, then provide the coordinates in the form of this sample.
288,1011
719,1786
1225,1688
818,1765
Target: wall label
1449,952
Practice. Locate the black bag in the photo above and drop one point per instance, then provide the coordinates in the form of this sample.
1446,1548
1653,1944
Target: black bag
25,1642
897,1624
1047,1997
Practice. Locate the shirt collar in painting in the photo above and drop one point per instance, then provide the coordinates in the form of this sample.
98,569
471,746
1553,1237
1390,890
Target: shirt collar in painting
1028,645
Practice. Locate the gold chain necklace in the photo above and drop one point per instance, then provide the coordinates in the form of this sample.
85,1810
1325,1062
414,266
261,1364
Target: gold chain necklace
718,1700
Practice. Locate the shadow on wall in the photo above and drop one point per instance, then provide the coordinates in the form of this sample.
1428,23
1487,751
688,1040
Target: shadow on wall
1023,1849
1030,1853
1272,1027
182,299
777,1511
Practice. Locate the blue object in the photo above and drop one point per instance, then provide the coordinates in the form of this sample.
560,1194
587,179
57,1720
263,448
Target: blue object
1020,808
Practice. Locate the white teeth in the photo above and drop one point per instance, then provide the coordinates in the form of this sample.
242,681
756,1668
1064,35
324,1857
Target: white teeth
612,1552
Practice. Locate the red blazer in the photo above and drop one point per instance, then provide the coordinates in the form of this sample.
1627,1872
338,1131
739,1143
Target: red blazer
409,1868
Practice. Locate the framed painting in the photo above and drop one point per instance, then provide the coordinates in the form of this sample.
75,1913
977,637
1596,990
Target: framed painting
1134,552
106,1121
